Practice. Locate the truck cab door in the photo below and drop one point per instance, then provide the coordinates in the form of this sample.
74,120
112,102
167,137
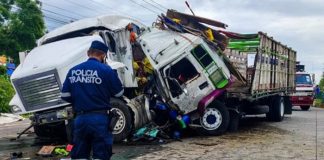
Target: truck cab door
186,83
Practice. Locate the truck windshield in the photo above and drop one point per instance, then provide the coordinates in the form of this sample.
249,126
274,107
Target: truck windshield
303,79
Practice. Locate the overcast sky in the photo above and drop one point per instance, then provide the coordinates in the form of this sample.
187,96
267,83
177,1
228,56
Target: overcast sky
297,23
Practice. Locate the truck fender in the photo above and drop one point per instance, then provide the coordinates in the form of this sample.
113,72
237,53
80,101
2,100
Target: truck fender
205,101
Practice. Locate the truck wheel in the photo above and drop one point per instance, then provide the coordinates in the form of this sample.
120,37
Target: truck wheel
305,108
277,109
124,124
41,131
50,130
215,119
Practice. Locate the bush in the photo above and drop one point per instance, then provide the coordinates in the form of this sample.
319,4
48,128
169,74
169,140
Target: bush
317,102
6,93
3,70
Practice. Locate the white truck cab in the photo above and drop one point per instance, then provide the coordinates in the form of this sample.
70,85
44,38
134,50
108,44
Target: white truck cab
304,94
60,50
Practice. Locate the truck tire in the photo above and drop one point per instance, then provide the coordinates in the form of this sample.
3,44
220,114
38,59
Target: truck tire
41,131
288,105
305,108
277,109
50,130
215,119
124,124
234,121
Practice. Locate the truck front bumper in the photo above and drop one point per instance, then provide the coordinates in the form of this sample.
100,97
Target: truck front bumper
302,100
52,116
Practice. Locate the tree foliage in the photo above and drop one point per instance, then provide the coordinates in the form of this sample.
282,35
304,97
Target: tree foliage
21,24
321,83
3,70
6,93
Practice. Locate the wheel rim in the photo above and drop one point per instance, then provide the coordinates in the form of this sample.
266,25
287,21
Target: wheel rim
121,123
211,119
282,109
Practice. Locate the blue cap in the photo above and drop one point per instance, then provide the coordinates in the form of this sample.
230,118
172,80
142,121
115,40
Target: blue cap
99,46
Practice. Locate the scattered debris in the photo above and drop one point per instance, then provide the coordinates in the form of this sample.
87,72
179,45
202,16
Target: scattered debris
148,132
69,147
8,118
15,155
46,151
61,151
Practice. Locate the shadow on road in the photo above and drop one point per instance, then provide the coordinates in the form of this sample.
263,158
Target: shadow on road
30,145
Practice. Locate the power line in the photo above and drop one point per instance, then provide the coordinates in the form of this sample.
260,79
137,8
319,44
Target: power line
159,4
59,14
51,26
57,20
53,19
101,5
92,9
80,15
153,5
145,7
121,12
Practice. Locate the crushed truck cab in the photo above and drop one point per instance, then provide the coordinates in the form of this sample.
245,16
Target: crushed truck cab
188,70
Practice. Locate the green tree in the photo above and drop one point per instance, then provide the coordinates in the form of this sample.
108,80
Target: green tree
6,93
21,24
5,6
321,84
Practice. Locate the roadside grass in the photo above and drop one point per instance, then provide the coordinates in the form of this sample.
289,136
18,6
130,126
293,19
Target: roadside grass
318,103
27,115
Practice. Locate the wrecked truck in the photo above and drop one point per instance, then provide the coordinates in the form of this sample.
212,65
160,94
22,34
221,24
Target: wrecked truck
196,72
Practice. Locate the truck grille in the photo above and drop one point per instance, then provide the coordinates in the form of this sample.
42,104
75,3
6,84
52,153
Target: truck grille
39,90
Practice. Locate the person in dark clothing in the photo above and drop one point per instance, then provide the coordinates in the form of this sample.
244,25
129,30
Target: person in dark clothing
88,87
317,91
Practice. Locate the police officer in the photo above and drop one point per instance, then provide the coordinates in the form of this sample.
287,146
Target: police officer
88,87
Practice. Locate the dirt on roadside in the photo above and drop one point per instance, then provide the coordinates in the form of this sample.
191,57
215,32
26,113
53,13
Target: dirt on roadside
258,142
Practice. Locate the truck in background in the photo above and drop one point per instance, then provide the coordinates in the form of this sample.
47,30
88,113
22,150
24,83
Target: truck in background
179,69
304,94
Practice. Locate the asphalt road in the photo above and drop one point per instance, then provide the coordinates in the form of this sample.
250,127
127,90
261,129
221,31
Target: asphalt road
299,136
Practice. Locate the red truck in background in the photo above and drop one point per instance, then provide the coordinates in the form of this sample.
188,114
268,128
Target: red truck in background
304,94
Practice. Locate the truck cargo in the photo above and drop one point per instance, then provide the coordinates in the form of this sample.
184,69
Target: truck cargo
179,69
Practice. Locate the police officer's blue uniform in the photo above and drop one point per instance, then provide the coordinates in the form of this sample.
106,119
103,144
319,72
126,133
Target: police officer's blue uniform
89,86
